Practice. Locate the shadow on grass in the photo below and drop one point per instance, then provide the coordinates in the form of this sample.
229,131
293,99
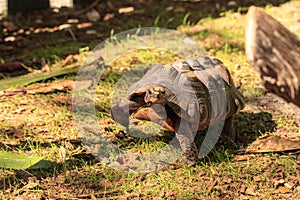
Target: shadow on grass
167,14
249,126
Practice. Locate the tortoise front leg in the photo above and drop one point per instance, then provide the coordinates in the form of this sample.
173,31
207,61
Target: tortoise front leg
155,114
185,137
228,132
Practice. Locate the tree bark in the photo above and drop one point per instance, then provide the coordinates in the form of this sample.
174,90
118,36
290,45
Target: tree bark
275,52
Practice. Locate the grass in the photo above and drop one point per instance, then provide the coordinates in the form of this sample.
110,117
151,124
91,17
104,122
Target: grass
39,125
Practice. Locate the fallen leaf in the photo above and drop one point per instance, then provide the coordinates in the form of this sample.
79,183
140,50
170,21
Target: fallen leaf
6,48
216,181
110,5
17,161
11,66
91,32
243,189
169,8
73,21
84,25
250,191
277,182
105,184
52,87
256,178
108,16
93,197
18,111
179,10
9,25
283,190
19,134
289,185
45,67
32,183
241,158
213,170
173,193
61,157
126,10
67,60
61,178
93,15
23,174
64,100
227,180
273,143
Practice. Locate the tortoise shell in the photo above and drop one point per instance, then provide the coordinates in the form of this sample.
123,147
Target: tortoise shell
200,91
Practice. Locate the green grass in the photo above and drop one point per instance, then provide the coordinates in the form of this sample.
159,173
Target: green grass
38,125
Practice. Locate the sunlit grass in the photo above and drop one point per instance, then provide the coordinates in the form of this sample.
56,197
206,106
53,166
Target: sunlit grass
45,126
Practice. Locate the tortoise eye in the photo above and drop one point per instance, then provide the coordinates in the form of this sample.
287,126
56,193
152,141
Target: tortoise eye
151,90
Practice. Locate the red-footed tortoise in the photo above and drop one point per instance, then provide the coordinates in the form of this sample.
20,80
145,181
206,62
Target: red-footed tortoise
184,97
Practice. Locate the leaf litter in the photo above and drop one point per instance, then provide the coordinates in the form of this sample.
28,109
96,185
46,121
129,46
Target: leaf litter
274,176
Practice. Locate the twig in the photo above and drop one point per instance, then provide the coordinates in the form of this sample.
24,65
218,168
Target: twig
101,193
79,12
217,180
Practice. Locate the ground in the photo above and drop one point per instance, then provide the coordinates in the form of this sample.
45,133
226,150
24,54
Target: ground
29,127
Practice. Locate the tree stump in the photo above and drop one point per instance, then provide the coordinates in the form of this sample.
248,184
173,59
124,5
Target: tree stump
275,52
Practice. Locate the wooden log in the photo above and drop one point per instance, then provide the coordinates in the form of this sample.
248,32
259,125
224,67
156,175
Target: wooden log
275,53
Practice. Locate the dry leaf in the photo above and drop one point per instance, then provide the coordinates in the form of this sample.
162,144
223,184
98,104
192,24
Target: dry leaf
73,21
126,10
273,143
108,16
23,174
110,5
93,15
93,197
9,25
250,191
289,185
243,189
67,60
241,158
84,25
45,66
213,170
32,183
105,184
179,9
283,190
256,178
61,158
52,87
11,66
216,181
173,193
227,180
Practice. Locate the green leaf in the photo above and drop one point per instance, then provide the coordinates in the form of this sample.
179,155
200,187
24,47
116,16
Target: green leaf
24,80
43,164
17,161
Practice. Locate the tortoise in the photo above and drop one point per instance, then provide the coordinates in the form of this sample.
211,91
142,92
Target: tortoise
184,97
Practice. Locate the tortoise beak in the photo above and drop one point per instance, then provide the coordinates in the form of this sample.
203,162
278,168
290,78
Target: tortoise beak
120,113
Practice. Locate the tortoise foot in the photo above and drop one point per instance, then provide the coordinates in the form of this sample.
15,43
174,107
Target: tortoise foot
190,158
228,132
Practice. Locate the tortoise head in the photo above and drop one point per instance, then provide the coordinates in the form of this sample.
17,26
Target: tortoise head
120,112
155,94
140,98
